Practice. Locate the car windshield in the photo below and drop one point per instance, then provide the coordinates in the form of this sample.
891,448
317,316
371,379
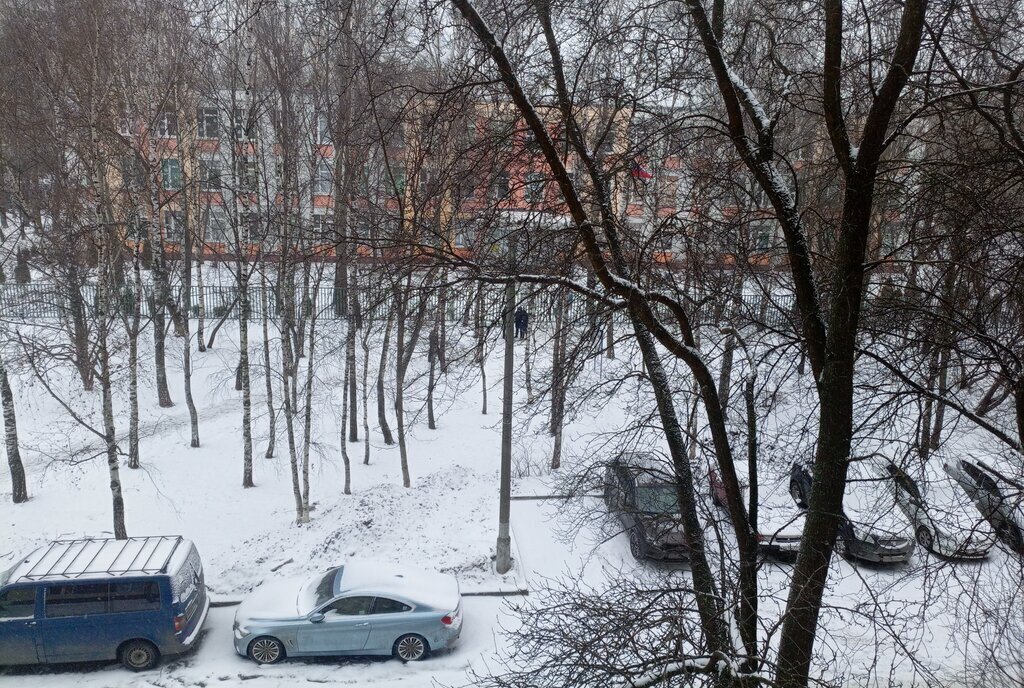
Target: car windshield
5,575
657,499
324,590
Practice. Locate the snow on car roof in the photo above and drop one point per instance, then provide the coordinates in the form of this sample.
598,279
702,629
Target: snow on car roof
437,590
102,557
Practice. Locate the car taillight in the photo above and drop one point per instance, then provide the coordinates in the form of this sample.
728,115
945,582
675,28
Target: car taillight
761,537
179,623
447,620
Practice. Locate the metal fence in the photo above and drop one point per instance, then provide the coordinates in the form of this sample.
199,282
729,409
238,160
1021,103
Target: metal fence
465,302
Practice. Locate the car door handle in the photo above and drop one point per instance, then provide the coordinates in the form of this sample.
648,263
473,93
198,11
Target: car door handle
360,625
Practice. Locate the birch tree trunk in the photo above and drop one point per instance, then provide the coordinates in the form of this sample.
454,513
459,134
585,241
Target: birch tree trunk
348,372
268,375
19,490
366,395
244,373
133,364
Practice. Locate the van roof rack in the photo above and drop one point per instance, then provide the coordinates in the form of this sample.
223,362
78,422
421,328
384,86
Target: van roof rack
98,557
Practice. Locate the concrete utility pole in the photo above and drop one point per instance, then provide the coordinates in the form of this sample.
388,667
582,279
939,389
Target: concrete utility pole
504,548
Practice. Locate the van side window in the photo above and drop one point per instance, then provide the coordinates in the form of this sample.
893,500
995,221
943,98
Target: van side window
134,597
18,603
76,599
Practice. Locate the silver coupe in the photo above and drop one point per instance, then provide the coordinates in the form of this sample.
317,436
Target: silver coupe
360,608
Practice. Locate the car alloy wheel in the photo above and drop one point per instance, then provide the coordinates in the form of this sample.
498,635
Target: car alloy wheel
139,655
410,648
636,544
266,650
924,538
794,492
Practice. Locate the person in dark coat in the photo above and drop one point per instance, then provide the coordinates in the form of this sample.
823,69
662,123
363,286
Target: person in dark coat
521,320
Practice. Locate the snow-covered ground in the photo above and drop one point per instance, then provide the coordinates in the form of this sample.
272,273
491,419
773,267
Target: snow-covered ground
446,521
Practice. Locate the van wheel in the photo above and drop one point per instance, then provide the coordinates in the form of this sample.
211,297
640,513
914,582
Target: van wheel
266,650
139,655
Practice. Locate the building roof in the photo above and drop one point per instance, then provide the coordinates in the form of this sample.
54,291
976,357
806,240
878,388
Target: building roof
101,558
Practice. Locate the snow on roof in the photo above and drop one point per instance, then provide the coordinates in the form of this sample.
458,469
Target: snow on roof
102,557
437,590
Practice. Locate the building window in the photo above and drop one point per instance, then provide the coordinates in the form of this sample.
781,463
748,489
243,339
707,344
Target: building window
170,174
426,183
463,234
138,226
323,130
217,225
132,173
500,188
209,175
174,225
323,179
167,125
535,183
249,222
209,122
243,124
762,237
322,225
248,174
398,179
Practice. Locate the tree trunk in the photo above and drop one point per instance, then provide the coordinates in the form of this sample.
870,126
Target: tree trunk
109,431
133,365
350,359
268,374
79,328
432,344
19,490
201,301
1018,400
382,419
244,374
307,415
366,396
348,372
159,354
187,343
940,408
559,380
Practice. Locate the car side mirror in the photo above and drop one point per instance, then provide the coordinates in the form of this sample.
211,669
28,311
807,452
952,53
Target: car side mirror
316,618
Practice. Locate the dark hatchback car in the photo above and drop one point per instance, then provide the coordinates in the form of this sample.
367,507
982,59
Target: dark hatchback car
867,532
639,491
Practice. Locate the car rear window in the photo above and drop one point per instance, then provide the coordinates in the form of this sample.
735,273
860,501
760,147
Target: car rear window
383,605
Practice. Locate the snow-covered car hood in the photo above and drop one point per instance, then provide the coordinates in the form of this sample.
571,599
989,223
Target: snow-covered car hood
870,505
274,600
777,515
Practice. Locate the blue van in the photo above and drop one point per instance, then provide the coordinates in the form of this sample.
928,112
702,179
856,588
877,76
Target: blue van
133,600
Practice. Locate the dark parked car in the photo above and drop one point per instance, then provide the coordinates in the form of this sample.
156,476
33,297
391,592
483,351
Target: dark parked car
868,530
639,491
997,497
133,600
779,528
941,527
